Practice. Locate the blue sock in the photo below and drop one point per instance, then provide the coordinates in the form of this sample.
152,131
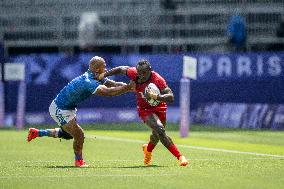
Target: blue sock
42,133
78,156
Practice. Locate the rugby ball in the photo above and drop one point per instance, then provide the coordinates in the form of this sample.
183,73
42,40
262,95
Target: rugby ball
153,88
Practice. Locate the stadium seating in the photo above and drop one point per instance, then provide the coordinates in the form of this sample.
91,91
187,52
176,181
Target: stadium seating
201,23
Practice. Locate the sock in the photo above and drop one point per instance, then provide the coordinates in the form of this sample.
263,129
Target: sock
150,147
45,132
58,133
173,149
78,156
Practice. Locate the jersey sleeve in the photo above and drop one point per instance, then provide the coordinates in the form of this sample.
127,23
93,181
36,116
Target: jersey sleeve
96,84
131,73
104,80
161,82
93,86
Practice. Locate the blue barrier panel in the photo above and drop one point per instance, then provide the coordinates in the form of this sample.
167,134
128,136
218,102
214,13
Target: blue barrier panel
247,77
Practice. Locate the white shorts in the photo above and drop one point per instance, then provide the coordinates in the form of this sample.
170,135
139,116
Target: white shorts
61,117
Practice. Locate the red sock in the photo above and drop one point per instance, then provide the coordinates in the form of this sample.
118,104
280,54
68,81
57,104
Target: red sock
173,149
150,147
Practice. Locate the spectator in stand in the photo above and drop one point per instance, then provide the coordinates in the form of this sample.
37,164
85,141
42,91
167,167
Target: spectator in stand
236,33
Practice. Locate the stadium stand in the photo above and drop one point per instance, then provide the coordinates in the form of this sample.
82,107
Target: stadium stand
190,25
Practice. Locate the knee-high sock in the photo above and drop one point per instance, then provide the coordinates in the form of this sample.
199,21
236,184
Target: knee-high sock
173,149
150,147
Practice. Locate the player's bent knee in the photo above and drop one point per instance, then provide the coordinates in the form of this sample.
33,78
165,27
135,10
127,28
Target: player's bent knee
63,134
160,130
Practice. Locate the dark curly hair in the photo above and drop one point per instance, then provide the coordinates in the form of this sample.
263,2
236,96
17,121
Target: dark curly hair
144,63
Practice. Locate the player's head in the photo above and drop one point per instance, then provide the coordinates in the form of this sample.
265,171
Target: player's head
143,70
97,65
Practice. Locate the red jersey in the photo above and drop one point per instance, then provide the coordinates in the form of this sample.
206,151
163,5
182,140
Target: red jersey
155,78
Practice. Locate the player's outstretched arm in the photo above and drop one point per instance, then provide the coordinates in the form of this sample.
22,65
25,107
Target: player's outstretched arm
120,70
111,83
166,95
114,91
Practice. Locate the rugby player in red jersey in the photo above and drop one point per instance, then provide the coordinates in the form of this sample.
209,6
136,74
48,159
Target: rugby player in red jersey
153,116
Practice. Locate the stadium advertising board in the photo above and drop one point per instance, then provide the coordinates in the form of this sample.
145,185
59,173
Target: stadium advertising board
215,67
241,66
240,115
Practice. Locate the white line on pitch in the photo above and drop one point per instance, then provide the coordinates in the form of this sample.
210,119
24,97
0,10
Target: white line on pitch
187,146
230,151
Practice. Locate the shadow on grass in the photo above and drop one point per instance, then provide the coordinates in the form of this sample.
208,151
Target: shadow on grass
138,166
99,167
66,167
57,166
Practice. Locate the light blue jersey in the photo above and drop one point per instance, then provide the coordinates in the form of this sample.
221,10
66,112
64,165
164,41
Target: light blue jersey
77,90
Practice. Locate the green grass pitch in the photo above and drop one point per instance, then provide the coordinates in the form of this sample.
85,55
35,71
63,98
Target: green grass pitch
220,158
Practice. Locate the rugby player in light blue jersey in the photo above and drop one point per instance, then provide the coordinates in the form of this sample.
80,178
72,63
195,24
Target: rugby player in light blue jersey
63,107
